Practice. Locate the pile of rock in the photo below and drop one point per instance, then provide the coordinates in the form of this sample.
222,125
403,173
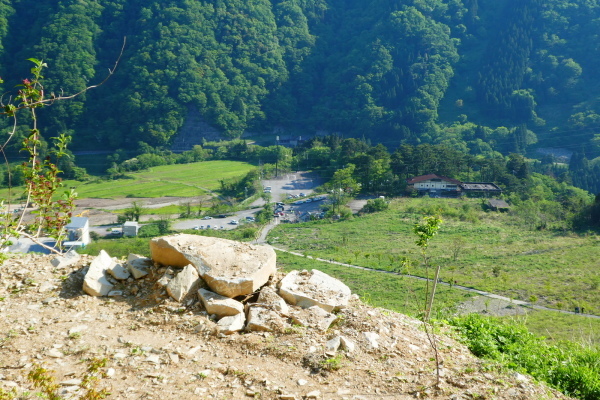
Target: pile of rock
234,282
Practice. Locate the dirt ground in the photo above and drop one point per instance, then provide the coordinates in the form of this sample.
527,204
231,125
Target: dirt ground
99,210
157,348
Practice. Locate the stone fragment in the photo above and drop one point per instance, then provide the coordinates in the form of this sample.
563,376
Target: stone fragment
46,287
95,282
314,289
231,324
372,338
118,271
269,298
229,268
138,266
347,344
264,319
315,394
333,344
71,382
55,353
219,305
65,260
313,317
180,286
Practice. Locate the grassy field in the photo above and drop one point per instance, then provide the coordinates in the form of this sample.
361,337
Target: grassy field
181,180
493,251
406,295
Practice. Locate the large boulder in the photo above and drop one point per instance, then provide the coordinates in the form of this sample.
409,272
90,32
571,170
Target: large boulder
228,267
314,288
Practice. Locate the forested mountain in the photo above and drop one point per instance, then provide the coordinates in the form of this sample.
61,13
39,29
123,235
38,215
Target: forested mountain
482,76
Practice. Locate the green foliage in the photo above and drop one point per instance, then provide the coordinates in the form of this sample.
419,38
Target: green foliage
374,205
573,369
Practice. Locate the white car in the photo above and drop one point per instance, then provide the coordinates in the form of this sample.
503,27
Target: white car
207,217
233,222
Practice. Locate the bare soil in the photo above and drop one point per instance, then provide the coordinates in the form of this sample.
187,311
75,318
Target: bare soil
157,348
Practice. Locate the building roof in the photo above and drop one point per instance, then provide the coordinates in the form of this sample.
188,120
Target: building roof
497,204
77,223
422,178
480,186
130,223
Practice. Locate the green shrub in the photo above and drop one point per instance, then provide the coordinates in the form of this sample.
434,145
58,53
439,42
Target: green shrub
570,367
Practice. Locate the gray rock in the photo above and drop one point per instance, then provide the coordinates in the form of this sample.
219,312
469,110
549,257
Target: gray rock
264,319
95,282
118,271
65,260
138,266
229,268
314,317
269,297
372,338
181,285
314,289
231,324
220,305
333,344
347,344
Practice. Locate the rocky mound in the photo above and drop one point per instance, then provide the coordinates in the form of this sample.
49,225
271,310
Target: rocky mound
167,334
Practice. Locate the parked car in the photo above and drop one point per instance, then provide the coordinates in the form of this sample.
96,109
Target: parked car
208,226
207,217
250,219
201,226
196,228
233,222
302,194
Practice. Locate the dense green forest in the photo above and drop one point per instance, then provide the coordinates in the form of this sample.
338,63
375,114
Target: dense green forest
484,77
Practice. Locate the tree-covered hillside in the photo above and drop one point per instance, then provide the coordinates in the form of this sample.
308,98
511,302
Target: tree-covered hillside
483,76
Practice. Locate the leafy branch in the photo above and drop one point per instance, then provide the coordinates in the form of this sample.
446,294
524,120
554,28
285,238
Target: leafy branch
52,214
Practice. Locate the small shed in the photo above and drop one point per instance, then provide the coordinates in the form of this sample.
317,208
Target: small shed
78,230
498,205
131,228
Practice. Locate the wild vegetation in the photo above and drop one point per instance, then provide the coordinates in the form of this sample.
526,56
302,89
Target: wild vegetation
487,250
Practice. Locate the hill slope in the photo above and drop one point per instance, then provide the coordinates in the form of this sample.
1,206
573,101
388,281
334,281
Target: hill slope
157,348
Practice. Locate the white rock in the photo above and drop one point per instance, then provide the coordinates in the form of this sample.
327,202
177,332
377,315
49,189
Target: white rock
333,344
138,266
55,353
229,268
77,329
302,382
314,317
314,289
315,394
231,324
347,344
71,382
372,338
264,319
65,260
219,305
269,297
95,282
118,271
180,286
